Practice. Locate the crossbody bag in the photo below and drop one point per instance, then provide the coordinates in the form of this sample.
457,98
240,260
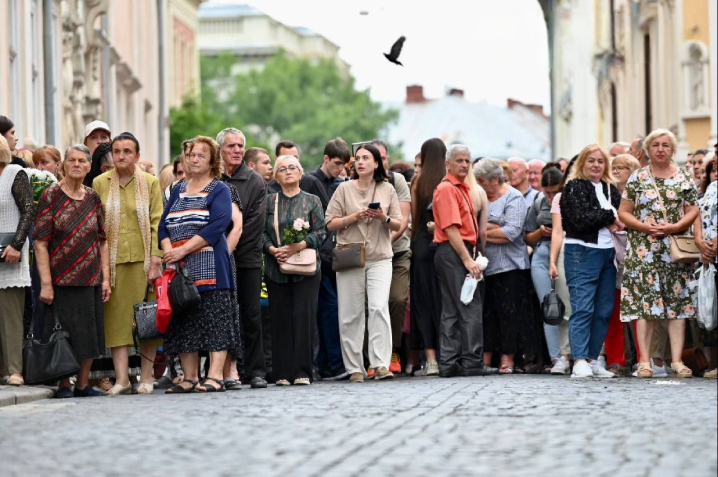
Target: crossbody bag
348,256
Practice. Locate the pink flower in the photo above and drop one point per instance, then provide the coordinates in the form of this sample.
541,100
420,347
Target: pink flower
298,225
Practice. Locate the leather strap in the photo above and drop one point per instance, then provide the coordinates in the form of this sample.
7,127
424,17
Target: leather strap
663,208
474,222
276,220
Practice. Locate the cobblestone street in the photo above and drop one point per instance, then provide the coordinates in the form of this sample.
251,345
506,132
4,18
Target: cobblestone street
519,425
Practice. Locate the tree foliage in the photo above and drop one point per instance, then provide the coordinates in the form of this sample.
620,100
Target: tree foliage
306,101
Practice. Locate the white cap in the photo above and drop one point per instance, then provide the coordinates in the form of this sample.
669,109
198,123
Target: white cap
94,125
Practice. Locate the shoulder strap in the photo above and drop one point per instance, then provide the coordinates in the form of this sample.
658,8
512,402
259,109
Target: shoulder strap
276,220
660,197
473,215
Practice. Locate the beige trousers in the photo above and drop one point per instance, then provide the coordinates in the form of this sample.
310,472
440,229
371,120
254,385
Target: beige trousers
12,309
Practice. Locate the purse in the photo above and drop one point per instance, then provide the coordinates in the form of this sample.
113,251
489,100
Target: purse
47,363
683,248
144,320
183,292
5,240
164,307
303,262
350,255
552,307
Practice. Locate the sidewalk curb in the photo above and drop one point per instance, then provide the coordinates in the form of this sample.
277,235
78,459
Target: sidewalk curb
11,395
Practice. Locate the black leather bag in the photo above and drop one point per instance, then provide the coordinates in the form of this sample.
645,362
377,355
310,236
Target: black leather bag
552,307
144,322
5,240
47,363
183,292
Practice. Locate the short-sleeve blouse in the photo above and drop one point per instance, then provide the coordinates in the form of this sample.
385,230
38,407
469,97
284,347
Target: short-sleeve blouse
73,229
709,212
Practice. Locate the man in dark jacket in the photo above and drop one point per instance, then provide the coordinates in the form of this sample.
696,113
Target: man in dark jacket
248,254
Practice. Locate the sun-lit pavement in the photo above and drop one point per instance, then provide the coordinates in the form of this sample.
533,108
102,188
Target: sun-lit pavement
517,425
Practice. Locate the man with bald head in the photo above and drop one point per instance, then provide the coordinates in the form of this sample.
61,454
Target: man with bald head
535,170
520,180
638,152
619,148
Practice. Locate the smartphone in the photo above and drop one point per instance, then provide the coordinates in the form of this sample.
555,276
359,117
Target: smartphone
374,205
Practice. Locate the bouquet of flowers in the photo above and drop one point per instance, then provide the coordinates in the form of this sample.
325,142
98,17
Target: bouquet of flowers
297,232
39,181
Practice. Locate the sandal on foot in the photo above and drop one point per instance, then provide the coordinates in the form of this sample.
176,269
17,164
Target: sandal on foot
209,387
232,384
15,380
645,370
282,382
302,382
179,389
505,369
119,390
145,388
680,370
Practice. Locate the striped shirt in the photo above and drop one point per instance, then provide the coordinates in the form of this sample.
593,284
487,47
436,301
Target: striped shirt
509,212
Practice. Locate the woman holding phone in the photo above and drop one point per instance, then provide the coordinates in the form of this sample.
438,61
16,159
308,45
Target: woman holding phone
365,210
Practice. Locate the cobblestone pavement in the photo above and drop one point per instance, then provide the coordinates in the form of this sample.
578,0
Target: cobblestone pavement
508,425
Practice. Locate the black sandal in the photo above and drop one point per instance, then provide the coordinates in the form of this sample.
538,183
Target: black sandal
211,388
232,384
179,389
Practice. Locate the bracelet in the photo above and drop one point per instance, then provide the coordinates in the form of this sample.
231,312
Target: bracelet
344,221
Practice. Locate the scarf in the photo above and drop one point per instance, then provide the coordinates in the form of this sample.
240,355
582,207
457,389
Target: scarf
113,210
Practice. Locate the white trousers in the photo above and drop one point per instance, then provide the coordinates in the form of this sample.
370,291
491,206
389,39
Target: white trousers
356,288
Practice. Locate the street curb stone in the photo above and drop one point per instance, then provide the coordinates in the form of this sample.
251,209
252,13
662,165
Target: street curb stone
11,395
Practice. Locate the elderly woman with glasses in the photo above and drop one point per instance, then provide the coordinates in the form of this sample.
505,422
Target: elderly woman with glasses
292,298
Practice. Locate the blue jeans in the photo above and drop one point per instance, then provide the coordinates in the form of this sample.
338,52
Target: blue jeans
542,285
591,279
330,350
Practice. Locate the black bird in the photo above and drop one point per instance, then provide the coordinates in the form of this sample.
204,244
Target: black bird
393,56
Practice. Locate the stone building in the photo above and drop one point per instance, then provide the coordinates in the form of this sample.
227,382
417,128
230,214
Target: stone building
68,62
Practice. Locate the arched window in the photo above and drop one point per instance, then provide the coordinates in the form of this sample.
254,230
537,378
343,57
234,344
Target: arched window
696,76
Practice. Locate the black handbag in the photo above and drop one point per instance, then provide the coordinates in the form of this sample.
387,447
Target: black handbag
144,322
5,240
47,363
183,292
552,307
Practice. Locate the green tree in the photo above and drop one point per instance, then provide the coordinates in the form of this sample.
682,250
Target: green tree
308,102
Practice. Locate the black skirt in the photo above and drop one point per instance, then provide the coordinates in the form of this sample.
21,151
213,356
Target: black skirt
425,303
80,312
213,325
508,326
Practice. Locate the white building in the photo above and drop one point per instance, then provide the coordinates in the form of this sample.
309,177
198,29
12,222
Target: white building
517,130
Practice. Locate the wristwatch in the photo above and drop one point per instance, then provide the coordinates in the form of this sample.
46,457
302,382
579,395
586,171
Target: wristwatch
388,219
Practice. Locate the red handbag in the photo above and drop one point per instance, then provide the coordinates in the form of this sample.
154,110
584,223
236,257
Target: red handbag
164,309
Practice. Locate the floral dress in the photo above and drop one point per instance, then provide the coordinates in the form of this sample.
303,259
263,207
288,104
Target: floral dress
709,211
653,287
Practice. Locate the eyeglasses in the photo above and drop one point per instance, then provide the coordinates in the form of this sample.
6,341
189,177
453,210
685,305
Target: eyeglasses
283,170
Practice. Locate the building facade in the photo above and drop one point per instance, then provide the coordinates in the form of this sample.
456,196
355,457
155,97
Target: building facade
625,67
68,62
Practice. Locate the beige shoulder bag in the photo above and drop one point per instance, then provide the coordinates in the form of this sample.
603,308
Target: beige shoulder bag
303,262
683,248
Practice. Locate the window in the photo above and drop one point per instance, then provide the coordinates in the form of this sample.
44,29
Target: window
695,66
14,68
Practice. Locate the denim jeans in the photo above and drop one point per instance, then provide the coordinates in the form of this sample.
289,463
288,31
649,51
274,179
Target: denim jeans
330,350
542,285
591,278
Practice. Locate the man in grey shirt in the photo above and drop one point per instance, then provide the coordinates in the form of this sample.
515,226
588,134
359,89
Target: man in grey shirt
399,292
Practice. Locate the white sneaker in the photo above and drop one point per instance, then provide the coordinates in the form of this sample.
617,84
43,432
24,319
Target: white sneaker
599,371
432,369
562,366
602,362
659,371
581,369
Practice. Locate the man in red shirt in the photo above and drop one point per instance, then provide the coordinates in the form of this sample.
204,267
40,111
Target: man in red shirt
456,233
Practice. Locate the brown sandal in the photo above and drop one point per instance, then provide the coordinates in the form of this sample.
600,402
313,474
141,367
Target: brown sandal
680,370
645,370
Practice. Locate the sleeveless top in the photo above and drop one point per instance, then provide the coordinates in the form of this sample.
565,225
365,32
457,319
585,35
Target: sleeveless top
12,274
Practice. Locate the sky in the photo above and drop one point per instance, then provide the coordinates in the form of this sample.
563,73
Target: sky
492,49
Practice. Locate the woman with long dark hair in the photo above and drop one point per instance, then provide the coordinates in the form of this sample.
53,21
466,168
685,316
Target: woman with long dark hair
425,297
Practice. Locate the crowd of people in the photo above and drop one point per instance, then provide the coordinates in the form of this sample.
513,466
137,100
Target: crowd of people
355,270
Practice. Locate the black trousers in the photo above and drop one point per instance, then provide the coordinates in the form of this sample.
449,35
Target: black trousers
461,338
249,288
293,311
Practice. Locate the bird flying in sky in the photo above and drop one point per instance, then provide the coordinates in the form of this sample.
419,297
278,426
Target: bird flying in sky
393,56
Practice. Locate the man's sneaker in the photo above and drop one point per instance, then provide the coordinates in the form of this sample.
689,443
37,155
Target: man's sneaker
600,372
395,365
562,367
356,378
383,373
711,374
659,371
581,369
432,369
602,362
370,373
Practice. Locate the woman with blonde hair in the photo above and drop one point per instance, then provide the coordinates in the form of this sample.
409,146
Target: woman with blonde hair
659,201
589,203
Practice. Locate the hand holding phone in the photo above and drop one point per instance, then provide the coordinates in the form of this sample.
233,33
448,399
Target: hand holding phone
374,205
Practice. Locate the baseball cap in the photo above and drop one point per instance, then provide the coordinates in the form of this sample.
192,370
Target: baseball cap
94,125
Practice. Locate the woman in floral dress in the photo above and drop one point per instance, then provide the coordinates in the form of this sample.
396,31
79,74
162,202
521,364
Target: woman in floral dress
654,288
